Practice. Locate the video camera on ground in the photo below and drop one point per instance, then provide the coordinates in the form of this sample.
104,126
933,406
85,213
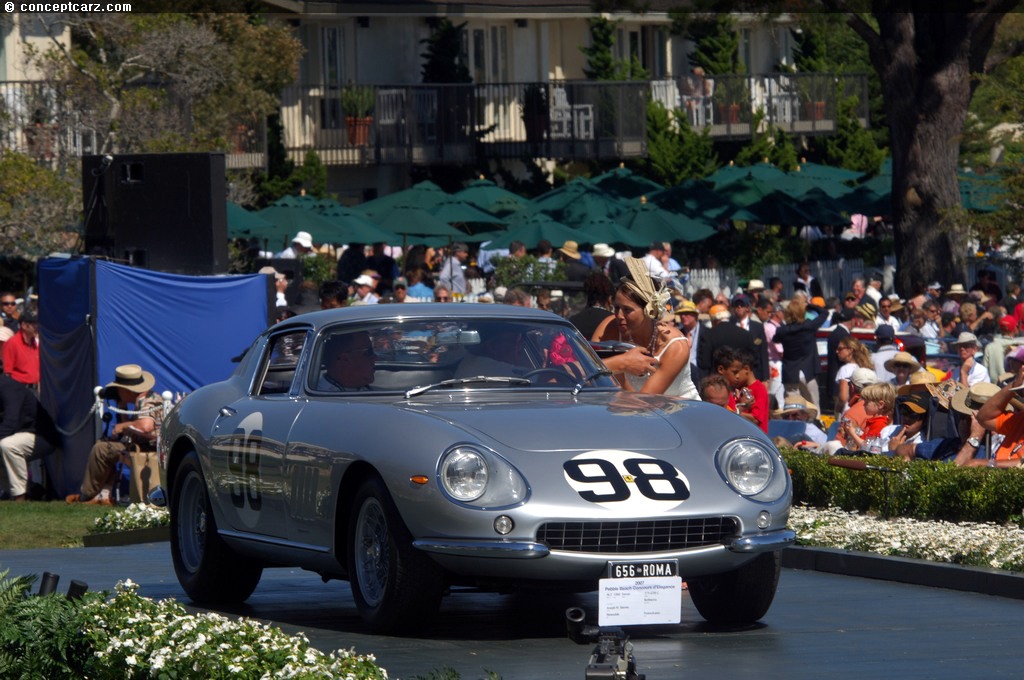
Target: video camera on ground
612,658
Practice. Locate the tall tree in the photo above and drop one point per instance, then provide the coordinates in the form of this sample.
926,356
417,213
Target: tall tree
927,61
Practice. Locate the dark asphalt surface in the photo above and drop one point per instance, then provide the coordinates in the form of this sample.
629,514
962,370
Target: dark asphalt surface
820,626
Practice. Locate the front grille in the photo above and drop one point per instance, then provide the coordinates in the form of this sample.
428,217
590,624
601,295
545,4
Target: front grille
636,537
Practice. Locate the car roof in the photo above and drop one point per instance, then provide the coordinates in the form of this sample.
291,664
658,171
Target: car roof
414,311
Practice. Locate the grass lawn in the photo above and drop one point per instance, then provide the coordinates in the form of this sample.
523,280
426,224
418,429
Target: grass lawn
52,524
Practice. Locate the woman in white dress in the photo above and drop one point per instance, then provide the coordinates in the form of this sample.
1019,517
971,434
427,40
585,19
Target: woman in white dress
639,304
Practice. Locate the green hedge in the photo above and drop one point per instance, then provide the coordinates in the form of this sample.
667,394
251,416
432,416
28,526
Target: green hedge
919,489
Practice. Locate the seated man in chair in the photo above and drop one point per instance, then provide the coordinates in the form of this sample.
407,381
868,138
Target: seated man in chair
131,386
26,433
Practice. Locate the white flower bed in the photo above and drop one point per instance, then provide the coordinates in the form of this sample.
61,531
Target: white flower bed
967,543
136,637
135,516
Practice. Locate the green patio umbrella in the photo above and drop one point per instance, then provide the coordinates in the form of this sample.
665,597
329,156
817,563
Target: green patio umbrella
422,195
753,200
289,220
535,228
764,172
577,202
866,201
827,173
486,195
297,201
414,221
692,197
652,223
979,193
355,227
625,183
606,230
245,224
455,211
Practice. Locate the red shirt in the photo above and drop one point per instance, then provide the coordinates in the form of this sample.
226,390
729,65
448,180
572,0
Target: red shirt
21,359
759,409
874,426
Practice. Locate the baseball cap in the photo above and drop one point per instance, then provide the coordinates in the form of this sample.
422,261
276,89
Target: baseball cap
862,377
916,403
400,282
740,300
885,332
686,307
1008,323
363,280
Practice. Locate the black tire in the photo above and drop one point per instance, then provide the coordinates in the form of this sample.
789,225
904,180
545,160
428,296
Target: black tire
738,597
208,570
396,587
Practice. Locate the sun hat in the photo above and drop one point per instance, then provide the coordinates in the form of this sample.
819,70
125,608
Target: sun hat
897,306
969,401
686,307
795,403
862,377
719,312
919,381
268,270
363,280
570,249
956,289
755,285
304,239
902,358
131,377
965,339
603,250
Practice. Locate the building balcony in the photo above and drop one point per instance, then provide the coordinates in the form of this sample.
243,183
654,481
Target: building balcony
468,123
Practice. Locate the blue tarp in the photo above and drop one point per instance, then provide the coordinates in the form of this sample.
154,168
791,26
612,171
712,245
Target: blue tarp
96,315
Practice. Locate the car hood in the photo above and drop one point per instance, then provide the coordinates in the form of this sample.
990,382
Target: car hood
558,422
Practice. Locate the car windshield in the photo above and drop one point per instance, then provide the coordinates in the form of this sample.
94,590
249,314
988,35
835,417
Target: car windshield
415,356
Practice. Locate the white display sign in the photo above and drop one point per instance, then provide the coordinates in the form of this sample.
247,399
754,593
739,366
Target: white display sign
640,601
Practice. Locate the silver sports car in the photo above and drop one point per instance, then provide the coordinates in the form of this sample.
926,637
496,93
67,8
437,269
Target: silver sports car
415,449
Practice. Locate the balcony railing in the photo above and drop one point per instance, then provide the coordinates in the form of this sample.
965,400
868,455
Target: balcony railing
469,123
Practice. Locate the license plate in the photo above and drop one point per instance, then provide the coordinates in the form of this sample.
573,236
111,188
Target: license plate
648,569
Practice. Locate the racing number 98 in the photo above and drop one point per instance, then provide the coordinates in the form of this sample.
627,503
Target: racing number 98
244,467
642,477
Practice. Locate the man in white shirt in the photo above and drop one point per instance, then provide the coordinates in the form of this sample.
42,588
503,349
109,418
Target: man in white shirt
652,260
364,290
970,372
301,246
885,316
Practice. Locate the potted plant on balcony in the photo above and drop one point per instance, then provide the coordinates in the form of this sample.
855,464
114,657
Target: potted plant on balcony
357,101
535,112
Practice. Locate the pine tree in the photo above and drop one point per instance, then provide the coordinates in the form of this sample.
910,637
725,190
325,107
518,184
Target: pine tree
443,61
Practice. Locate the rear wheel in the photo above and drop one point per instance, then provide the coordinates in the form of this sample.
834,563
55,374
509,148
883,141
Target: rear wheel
396,587
206,567
738,597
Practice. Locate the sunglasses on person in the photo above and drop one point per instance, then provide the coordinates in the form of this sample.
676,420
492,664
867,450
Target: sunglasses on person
442,298
12,303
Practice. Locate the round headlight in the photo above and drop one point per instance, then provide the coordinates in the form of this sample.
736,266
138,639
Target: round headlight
464,474
747,466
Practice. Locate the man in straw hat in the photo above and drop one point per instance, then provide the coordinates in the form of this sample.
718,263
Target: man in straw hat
795,408
902,365
575,270
131,386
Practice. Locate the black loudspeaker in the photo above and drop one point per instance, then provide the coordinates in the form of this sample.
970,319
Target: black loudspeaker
165,211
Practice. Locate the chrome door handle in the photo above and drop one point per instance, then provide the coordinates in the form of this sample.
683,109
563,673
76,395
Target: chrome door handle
227,411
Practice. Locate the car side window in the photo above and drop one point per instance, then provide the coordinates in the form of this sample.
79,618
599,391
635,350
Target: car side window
282,358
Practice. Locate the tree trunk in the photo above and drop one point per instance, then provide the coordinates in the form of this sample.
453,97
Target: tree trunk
927,88
926,60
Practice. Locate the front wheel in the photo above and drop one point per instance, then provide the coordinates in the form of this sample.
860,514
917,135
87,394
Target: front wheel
738,597
396,587
206,567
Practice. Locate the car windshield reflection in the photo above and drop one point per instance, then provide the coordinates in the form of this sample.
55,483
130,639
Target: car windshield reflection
417,356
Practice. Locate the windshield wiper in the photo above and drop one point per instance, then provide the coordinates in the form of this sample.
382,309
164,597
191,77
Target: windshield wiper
508,380
599,372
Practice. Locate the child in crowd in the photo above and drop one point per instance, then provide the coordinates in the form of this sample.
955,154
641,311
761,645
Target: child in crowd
879,402
750,393
715,389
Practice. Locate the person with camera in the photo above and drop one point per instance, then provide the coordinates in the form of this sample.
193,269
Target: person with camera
133,428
